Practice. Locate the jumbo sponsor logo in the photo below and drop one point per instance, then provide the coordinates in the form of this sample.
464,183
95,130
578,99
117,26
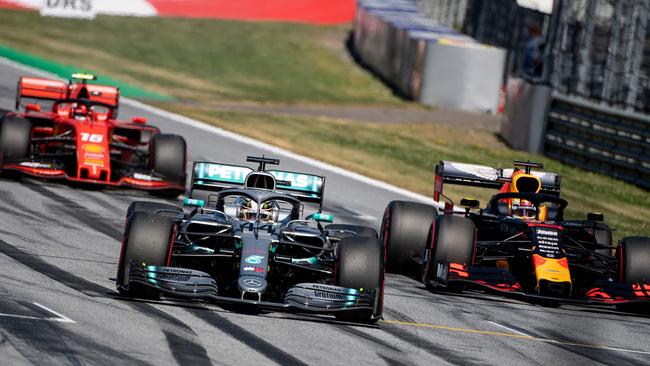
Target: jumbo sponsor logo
69,9
547,232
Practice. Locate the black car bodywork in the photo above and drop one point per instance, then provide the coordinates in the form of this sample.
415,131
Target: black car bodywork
542,256
270,258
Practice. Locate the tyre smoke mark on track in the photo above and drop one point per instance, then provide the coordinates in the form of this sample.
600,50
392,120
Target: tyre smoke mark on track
19,209
438,351
256,343
49,343
74,282
188,353
594,353
370,338
393,362
84,215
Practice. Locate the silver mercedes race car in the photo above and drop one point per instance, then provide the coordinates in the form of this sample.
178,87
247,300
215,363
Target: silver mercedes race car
246,242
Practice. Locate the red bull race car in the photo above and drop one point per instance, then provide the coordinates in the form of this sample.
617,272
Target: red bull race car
70,131
519,244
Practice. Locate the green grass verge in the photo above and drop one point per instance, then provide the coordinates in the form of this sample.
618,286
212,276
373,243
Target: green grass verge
404,155
64,72
204,60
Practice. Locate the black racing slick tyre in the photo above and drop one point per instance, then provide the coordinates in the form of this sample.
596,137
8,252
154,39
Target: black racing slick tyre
360,265
404,230
15,138
343,230
452,240
148,241
168,156
635,260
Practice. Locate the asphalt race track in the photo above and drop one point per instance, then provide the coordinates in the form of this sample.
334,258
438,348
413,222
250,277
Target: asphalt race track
58,251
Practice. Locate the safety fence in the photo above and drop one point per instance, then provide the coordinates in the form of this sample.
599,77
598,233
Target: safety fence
589,105
599,138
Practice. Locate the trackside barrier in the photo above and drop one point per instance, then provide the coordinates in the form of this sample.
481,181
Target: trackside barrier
607,140
578,132
425,60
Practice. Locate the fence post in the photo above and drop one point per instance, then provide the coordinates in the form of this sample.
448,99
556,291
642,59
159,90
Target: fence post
586,45
609,76
637,45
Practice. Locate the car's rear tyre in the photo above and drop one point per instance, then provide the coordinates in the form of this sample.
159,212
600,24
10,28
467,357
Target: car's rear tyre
634,262
635,259
167,158
452,240
360,265
343,230
15,138
404,232
147,241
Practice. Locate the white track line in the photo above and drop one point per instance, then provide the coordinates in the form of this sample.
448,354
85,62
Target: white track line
572,344
60,317
510,329
248,141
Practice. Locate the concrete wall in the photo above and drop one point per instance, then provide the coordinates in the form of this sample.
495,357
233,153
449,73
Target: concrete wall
523,123
424,60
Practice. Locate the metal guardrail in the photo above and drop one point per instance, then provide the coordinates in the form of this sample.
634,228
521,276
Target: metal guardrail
599,138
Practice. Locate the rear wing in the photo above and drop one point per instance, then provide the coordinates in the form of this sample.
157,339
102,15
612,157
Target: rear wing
47,89
484,176
38,88
217,176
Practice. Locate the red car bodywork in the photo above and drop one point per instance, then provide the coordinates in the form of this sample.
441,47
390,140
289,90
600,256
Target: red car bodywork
90,147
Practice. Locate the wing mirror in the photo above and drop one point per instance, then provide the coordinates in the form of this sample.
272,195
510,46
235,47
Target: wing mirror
33,107
470,203
192,202
595,216
321,217
140,120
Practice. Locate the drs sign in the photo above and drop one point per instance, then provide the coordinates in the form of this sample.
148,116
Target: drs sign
84,9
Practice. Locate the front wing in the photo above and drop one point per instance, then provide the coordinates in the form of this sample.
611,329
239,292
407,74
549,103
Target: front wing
502,281
57,171
303,297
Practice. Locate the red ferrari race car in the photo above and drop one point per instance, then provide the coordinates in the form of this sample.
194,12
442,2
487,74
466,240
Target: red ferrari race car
70,131
519,244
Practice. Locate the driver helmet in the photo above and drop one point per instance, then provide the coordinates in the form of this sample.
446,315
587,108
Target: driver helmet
248,208
523,209
80,111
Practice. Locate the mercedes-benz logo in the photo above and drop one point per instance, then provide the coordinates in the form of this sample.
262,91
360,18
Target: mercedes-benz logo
252,282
